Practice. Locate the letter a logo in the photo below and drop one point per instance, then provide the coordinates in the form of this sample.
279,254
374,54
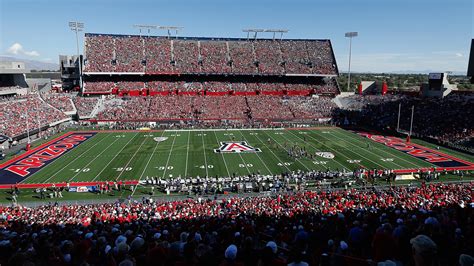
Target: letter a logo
239,146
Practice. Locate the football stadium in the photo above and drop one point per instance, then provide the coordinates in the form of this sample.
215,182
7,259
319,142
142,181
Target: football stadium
164,147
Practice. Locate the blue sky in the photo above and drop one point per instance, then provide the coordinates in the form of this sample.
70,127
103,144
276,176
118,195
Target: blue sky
394,35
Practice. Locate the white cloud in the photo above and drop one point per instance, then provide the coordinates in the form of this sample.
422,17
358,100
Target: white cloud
17,49
459,55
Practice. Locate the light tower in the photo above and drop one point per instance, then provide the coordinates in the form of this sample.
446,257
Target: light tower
350,35
77,27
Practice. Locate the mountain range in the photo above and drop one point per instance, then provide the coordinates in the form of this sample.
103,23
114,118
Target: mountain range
32,64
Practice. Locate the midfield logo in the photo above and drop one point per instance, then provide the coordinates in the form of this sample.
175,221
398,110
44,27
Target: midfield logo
240,146
325,154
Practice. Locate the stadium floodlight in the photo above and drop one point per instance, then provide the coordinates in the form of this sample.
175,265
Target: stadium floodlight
254,31
145,27
274,31
171,28
77,27
350,35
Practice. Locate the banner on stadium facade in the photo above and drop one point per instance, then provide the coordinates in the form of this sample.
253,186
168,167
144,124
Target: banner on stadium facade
21,167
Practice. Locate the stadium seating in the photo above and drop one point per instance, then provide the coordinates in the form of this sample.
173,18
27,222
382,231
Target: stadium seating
269,107
178,107
85,105
98,87
158,55
186,56
214,57
30,112
110,53
62,102
435,118
341,227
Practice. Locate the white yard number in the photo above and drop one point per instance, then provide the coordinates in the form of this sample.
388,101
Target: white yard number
387,159
319,162
284,164
353,161
148,136
202,134
325,132
175,135
209,166
242,165
120,136
228,134
126,169
253,133
79,170
278,133
302,132
162,168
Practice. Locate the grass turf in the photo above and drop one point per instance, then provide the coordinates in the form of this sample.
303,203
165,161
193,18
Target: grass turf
136,155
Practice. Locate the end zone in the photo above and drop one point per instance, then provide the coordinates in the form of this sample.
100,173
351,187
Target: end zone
23,166
440,161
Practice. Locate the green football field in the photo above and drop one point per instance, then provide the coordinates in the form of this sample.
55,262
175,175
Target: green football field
136,155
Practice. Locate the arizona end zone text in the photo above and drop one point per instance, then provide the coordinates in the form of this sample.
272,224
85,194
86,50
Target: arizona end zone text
437,158
18,169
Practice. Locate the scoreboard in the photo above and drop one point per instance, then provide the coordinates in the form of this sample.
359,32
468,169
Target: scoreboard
435,81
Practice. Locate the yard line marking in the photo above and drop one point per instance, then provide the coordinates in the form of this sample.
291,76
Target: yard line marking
285,150
146,166
204,151
228,173
187,155
45,181
362,149
103,169
169,155
91,161
129,161
341,153
264,164
320,150
149,160
278,158
350,151
388,150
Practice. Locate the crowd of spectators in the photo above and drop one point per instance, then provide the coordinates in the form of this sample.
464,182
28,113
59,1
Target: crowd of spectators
447,120
106,53
129,54
269,107
158,55
60,101
99,86
421,225
19,113
269,58
100,52
224,107
214,86
186,56
311,107
214,57
85,105
321,57
182,107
